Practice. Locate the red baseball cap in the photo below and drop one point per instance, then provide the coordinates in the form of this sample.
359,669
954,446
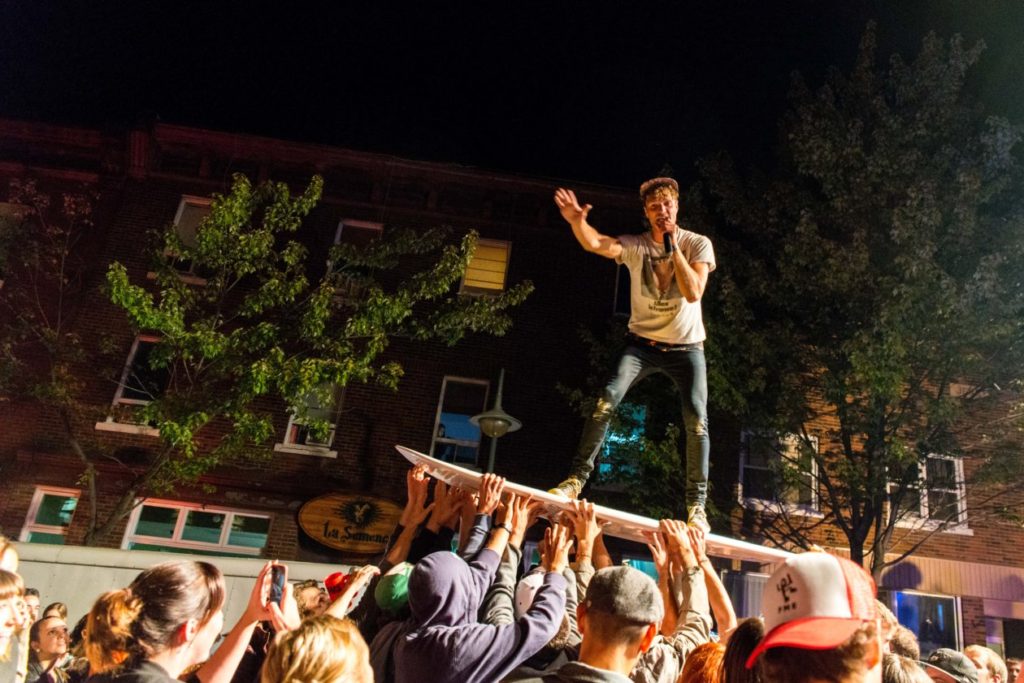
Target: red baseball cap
814,601
335,583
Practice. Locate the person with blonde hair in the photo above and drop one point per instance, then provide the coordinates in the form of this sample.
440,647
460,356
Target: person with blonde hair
13,622
8,555
322,649
991,668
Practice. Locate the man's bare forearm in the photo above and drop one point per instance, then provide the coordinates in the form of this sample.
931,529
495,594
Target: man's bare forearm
689,281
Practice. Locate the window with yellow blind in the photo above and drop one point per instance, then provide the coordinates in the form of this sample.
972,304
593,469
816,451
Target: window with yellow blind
486,272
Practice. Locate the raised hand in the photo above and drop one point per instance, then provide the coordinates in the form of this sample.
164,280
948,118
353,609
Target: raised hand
360,577
570,207
285,617
491,486
524,513
698,542
678,542
659,553
585,522
417,485
557,541
447,503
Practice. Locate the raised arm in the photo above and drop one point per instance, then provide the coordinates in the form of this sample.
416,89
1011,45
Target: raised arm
221,666
718,596
588,237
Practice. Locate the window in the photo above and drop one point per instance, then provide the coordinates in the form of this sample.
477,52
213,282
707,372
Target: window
301,435
934,619
141,383
191,212
456,439
49,515
359,234
940,495
485,273
778,470
170,526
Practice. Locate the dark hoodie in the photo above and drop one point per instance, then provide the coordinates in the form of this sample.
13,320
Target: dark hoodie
443,640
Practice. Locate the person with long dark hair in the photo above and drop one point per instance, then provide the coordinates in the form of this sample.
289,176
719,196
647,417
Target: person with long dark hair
175,614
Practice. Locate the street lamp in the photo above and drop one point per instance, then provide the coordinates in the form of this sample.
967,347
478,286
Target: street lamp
496,423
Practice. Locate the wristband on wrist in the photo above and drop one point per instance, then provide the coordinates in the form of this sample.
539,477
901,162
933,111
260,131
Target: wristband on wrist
504,525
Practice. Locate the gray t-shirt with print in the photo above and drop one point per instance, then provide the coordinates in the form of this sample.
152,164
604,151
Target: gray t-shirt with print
659,310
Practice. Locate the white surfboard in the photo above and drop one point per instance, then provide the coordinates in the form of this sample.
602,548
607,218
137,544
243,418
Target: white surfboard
621,524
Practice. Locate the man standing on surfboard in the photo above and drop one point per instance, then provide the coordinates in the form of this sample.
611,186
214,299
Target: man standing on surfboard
668,270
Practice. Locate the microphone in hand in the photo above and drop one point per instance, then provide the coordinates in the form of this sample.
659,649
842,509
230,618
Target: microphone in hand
670,244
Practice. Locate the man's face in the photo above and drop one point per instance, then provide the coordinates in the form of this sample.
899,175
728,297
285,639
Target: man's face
32,602
1014,669
53,639
984,676
661,209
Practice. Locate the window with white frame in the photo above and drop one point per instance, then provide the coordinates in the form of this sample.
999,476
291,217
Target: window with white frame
940,494
311,428
49,515
778,469
172,526
192,211
456,439
359,234
141,383
486,271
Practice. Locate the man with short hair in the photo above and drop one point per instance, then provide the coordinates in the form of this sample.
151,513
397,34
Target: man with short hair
618,619
668,271
991,668
821,623
31,598
949,666
1013,668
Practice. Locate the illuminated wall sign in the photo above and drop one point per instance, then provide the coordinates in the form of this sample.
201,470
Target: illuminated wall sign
352,522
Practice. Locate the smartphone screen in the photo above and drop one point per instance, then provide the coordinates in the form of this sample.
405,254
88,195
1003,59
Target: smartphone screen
276,583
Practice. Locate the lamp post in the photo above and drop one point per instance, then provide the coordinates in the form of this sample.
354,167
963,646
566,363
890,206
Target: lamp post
496,423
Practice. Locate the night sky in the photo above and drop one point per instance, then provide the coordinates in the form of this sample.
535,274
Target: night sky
606,92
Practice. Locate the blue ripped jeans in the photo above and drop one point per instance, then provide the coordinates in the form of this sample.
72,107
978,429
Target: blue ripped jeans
688,371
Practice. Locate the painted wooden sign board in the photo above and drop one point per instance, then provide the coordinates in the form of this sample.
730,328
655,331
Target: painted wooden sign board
621,524
351,522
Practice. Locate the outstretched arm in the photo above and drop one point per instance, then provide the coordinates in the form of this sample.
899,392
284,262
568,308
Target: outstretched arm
588,237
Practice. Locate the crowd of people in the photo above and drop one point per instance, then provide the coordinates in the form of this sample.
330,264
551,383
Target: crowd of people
454,600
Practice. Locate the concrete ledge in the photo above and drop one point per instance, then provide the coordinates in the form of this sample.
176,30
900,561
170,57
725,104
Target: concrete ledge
77,575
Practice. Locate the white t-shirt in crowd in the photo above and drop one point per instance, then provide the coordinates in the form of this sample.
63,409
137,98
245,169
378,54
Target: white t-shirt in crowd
659,310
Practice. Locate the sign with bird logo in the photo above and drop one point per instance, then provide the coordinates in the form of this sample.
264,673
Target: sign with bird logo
352,522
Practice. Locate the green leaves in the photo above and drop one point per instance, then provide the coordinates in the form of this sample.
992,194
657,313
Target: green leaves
874,268
256,328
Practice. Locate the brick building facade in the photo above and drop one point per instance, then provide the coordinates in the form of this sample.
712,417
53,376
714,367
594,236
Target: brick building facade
149,178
